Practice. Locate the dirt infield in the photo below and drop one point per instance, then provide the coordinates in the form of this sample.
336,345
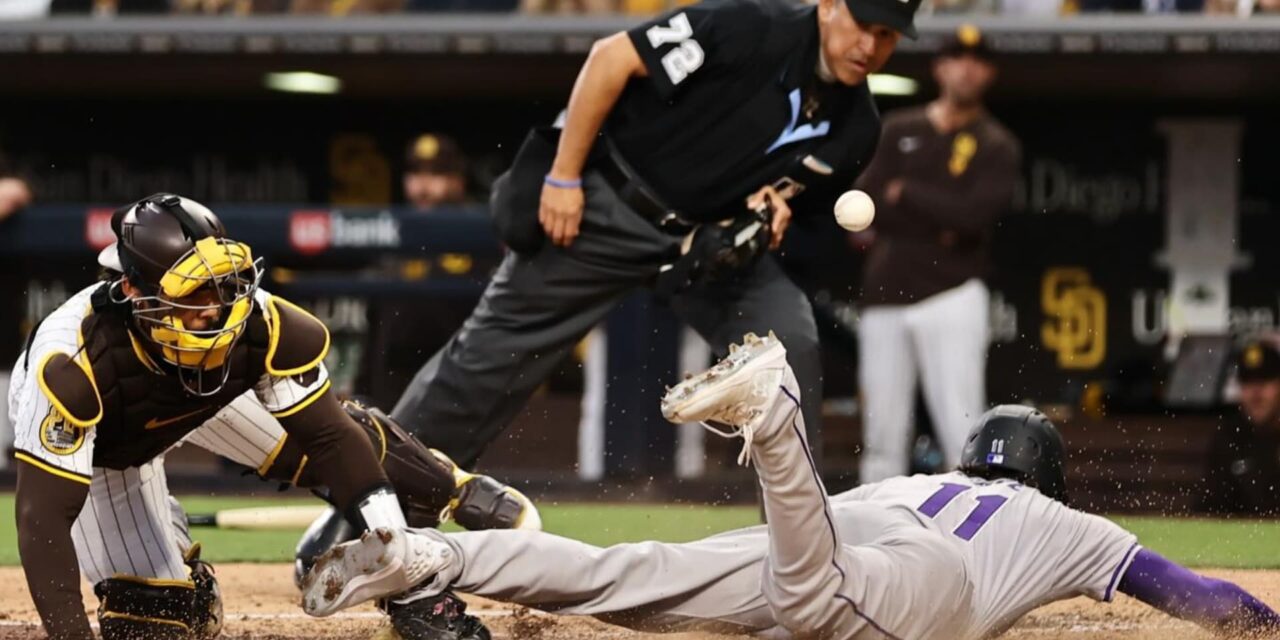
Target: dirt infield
261,603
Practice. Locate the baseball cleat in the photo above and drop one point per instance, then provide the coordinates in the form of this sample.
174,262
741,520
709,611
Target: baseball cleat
439,617
735,391
381,563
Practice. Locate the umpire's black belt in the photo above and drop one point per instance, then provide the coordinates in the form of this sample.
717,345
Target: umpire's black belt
636,194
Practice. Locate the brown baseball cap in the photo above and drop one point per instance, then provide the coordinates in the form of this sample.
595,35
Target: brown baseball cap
434,153
899,15
966,41
1258,361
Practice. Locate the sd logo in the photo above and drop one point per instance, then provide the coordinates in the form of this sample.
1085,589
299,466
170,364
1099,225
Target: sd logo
1076,324
58,436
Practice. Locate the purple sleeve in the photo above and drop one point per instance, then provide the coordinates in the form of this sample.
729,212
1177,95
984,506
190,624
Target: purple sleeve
1180,592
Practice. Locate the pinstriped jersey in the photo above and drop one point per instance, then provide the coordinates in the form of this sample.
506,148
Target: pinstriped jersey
145,409
1023,548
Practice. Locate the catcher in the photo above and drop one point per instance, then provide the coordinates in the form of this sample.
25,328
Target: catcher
179,344
953,556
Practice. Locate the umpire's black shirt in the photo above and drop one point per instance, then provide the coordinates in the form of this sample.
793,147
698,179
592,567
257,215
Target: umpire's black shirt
733,102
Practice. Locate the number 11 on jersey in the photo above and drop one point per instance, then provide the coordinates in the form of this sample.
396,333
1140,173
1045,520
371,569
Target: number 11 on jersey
987,507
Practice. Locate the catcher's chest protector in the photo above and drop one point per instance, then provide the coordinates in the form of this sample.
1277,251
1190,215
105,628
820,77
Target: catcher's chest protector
145,409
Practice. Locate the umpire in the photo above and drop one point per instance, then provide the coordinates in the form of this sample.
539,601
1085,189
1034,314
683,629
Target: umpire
681,143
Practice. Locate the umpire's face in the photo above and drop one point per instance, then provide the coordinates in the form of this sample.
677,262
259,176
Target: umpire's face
852,48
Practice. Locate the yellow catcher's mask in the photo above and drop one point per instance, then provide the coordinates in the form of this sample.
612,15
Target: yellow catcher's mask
216,276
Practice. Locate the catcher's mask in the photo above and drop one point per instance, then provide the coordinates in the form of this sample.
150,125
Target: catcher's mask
195,286
1014,441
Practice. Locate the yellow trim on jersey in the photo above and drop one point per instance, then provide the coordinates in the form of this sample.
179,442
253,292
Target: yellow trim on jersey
86,365
44,466
57,403
298,474
273,338
128,616
142,354
155,582
271,458
306,402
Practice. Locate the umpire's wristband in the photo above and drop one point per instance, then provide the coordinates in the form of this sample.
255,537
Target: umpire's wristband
562,184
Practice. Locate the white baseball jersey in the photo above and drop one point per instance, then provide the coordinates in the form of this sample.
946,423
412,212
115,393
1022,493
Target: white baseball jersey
1024,549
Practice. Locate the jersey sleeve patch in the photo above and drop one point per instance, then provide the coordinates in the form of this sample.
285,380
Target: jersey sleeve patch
70,389
298,341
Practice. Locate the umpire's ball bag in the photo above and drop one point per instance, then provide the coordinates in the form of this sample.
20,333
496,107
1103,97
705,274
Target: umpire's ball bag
517,194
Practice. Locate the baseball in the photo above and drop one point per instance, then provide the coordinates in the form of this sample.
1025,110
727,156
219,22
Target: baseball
855,210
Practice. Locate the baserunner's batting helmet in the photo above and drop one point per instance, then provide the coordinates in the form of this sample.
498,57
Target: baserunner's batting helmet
1013,441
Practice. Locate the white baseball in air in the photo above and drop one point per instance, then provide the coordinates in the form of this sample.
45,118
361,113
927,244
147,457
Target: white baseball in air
855,210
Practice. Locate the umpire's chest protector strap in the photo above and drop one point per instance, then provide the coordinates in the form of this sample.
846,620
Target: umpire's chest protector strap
71,389
297,340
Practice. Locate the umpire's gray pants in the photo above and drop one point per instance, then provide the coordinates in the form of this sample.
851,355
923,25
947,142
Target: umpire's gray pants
537,307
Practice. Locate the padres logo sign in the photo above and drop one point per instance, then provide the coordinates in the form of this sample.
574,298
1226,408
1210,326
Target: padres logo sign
1076,324
59,437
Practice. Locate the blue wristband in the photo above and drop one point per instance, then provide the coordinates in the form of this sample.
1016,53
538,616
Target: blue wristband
563,184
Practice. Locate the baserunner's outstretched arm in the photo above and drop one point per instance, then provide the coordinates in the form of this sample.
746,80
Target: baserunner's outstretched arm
1217,604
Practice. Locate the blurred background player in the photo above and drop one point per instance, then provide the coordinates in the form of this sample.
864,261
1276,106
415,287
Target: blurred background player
435,172
941,176
1243,474
15,193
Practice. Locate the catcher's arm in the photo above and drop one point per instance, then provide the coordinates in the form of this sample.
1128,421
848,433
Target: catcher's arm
1180,592
47,507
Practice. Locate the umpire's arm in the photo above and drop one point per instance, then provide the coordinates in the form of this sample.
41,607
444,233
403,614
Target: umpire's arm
47,507
612,63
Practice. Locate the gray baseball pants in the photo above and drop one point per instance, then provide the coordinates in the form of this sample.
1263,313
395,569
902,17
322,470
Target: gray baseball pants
862,570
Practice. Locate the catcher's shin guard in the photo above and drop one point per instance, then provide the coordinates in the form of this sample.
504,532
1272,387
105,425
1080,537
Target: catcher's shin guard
423,483
480,502
136,608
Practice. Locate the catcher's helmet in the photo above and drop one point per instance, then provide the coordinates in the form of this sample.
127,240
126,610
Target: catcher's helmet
175,252
1017,442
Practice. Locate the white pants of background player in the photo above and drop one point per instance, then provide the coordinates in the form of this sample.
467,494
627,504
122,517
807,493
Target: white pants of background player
131,526
940,342
854,571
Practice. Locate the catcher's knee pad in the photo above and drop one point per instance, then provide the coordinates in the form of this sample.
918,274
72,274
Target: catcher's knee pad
135,608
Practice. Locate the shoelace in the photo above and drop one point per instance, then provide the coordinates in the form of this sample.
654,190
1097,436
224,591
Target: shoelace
744,416
747,434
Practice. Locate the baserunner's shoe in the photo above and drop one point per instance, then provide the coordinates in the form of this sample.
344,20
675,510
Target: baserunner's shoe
381,563
736,392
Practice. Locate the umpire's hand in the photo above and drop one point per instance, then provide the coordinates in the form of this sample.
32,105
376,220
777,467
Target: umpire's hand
560,213
781,211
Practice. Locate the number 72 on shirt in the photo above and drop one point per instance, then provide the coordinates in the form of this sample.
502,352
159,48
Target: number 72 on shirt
684,59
